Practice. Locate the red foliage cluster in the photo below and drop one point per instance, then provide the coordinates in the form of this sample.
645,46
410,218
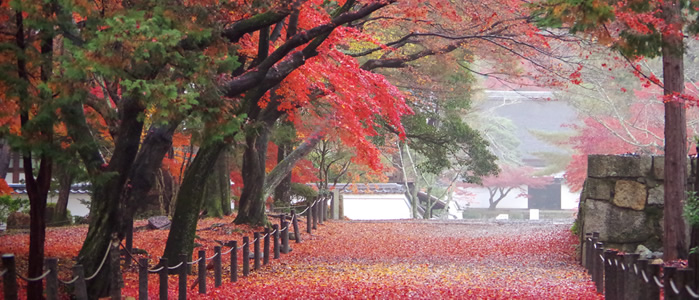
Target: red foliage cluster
409,259
4,188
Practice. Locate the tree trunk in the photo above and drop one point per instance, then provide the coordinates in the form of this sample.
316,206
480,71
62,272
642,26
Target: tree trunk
146,165
189,201
37,191
414,199
251,207
429,205
675,134
284,168
225,184
282,191
217,191
5,157
106,218
65,180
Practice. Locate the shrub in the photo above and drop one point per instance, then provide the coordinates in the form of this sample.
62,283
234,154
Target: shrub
9,205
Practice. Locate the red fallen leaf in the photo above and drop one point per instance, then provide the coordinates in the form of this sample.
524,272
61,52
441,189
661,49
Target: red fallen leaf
349,260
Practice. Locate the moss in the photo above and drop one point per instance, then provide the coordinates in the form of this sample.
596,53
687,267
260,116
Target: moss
654,213
575,228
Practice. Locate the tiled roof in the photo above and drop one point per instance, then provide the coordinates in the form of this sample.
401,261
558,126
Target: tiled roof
373,188
78,188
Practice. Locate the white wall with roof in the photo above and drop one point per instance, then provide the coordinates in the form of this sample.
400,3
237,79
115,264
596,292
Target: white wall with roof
376,206
479,198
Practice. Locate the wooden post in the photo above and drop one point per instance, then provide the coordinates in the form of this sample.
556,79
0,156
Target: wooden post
143,278
182,283
52,279
692,279
335,205
322,211
610,275
594,242
246,256
669,292
632,284
129,243
217,266
598,267
256,251
620,276
9,280
642,265
266,247
163,279
202,271
116,272
276,241
295,225
586,252
234,262
653,290
314,215
682,279
285,237
309,211
79,285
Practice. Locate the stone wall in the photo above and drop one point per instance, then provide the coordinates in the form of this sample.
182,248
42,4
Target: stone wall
623,198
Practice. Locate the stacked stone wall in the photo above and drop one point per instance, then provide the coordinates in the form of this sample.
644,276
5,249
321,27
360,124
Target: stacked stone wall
623,198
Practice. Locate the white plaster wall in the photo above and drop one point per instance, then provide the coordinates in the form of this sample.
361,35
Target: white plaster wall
8,177
454,212
479,198
569,199
74,205
376,207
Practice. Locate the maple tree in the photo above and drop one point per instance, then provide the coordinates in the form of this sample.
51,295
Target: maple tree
620,114
263,109
128,74
650,29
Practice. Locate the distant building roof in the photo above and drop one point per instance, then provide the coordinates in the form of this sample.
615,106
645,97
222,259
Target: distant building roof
78,188
511,94
372,188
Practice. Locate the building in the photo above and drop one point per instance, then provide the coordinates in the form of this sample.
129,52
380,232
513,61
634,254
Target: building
375,201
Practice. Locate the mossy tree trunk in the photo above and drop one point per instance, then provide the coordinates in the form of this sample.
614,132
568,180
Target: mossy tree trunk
189,201
282,191
107,183
146,167
251,207
217,191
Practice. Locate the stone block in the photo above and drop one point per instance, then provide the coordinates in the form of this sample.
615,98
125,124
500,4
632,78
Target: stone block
596,188
630,194
658,167
616,225
656,196
158,222
600,166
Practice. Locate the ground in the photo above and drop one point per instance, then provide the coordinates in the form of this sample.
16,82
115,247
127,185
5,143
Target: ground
375,260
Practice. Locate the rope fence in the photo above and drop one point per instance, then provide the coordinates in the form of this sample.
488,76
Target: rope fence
627,276
315,214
